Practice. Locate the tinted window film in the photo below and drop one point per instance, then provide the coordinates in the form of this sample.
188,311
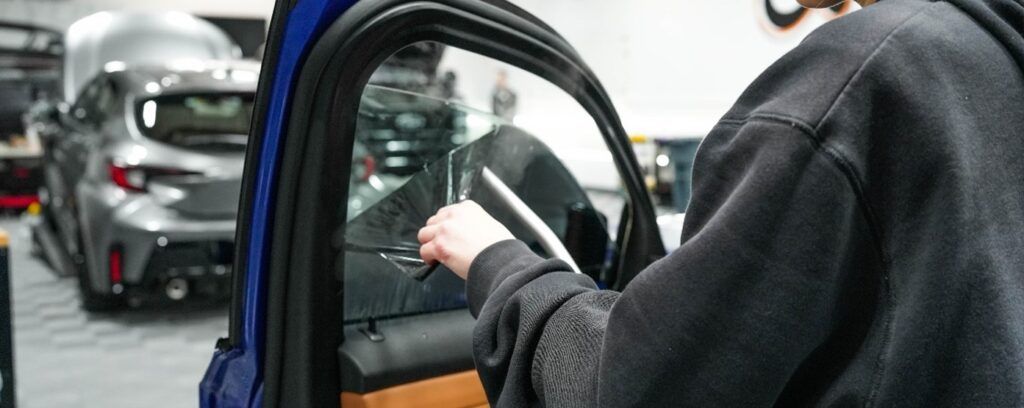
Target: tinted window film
423,147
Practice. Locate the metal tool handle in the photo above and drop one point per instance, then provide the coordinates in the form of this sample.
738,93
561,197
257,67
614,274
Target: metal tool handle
545,236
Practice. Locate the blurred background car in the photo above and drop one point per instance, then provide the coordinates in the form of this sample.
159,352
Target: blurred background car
143,158
143,177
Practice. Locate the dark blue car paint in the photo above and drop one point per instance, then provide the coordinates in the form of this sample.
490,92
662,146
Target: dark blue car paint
234,377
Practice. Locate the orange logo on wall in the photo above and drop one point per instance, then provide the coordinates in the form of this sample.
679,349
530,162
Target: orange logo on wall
782,21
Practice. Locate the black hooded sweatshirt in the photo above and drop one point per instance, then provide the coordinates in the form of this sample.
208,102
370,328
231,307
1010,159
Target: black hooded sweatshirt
856,238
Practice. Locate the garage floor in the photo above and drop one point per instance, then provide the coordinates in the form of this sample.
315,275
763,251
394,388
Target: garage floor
65,357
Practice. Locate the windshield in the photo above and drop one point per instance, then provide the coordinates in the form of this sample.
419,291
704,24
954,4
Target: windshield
205,122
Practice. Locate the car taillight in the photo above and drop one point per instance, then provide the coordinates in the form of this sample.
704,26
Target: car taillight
134,178
115,265
128,178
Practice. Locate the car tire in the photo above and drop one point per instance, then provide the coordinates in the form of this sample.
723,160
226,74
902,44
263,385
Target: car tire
96,302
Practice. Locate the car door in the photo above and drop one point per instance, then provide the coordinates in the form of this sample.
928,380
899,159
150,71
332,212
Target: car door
350,155
65,164
85,127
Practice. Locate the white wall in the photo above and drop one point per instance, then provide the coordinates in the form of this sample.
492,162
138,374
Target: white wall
673,67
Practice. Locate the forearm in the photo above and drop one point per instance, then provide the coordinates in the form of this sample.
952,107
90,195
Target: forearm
774,259
539,326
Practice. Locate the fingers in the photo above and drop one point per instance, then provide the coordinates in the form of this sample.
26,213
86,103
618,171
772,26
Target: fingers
428,253
443,214
450,211
453,209
429,236
434,219
435,251
447,210
428,233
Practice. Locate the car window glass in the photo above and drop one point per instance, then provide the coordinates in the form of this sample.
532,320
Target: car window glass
105,100
209,122
438,125
85,104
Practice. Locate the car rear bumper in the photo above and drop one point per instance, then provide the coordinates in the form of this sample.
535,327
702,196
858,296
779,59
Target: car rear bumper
182,269
154,245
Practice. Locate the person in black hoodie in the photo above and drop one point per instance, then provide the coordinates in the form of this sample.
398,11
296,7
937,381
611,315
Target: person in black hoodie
855,238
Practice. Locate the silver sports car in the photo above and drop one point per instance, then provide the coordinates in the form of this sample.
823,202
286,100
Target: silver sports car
142,178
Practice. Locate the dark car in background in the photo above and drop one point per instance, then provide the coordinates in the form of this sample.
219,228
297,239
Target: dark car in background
30,70
142,180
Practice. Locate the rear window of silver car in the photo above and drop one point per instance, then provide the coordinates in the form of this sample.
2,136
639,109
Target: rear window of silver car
205,122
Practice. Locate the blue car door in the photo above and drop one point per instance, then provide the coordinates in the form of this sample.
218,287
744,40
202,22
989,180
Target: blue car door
370,117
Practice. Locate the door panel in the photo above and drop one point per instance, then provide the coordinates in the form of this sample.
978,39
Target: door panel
407,350
347,309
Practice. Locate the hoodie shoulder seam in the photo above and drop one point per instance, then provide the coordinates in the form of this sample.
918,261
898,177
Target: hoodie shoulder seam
881,363
839,160
864,64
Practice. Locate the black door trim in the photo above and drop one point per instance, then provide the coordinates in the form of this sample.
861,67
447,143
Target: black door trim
257,128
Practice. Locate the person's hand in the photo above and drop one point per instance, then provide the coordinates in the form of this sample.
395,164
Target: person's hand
457,234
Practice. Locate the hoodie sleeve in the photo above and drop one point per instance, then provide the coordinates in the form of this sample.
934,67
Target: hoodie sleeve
776,252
